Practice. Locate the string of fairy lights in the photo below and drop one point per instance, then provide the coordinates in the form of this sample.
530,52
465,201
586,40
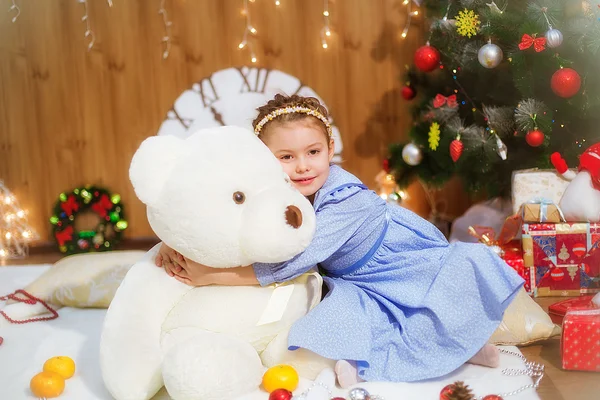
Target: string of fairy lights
249,35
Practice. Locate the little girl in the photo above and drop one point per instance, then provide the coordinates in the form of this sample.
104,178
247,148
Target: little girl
403,304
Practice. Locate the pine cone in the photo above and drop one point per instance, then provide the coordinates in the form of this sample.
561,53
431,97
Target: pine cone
460,391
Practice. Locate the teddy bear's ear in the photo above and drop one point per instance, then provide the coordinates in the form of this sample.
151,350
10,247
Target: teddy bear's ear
152,164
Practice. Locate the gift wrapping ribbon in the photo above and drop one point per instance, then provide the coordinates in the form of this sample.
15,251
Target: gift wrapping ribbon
486,234
587,311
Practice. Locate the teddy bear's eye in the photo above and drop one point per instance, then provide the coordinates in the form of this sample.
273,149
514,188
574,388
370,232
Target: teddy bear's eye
239,197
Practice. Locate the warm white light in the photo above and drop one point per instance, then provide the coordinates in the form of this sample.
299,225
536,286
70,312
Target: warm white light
8,217
7,200
21,214
26,234
383,196
327,32
403,35
325,45
403,195
253,59
326,13
277,3
242,45
405,2
8,235
415,13
252,30
2,253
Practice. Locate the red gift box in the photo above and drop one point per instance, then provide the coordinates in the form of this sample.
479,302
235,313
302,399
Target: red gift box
564,259
512,254
580,342
558,310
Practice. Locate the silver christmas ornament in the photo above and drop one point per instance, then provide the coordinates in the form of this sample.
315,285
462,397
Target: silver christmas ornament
412,155
502,149
490,55
358,394
554,38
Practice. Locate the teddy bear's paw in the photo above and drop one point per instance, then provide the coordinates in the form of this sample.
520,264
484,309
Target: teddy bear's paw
211,366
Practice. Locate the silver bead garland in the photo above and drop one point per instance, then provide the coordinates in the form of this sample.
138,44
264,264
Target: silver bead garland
532,369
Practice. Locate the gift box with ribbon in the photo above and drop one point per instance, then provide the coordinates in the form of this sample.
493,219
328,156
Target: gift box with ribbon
564,259
542,210
505,244
580,342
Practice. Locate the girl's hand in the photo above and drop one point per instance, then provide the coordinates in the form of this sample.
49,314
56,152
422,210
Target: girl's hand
193,273
169,259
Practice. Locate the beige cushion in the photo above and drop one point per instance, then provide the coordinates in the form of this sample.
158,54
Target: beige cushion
84,280
524,322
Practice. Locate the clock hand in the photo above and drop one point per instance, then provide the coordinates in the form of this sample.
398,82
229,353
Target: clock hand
218,117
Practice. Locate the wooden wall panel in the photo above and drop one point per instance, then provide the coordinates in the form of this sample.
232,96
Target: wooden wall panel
72,117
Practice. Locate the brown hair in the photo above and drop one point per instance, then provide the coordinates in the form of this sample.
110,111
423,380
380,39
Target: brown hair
281,101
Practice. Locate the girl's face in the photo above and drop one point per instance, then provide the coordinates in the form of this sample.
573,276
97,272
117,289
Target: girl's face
304,151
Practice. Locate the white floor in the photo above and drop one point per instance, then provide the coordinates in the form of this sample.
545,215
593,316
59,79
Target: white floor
76,333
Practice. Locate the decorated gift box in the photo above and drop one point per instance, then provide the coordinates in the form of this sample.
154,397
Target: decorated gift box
541,211
558,310
580,342
512,254
564,259
530,184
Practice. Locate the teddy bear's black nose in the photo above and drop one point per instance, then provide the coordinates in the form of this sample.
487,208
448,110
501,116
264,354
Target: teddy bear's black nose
293,217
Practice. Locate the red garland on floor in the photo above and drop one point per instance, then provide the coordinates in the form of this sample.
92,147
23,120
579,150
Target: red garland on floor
29,299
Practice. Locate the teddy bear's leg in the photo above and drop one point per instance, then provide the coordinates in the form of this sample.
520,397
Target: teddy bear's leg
307,363
130,352
202,365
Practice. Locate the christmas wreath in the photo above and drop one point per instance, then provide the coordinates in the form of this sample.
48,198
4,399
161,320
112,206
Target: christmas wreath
100,232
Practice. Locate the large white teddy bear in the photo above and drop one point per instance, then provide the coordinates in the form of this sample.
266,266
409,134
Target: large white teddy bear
220,198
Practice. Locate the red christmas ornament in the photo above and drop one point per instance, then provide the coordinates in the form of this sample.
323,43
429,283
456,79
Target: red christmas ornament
386,166
565,82
427,58
557,274
492,397
280,394
1,340
446,392
408,93
586,268
456,149
535,138
580,249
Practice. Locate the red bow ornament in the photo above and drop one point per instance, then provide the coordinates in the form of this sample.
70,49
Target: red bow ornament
102,206
440,100
70,205
539,44
64,236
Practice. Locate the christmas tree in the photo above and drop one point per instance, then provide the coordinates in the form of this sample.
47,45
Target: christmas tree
15,233
499,86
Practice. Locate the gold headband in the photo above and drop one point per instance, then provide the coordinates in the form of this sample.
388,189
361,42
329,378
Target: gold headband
291,110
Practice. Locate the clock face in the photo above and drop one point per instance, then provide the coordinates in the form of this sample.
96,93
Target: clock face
230,97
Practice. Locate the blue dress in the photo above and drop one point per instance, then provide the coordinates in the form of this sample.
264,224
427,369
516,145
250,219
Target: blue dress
403,303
